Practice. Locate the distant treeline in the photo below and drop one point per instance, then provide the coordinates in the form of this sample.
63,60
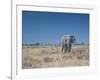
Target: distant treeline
49,44
40,44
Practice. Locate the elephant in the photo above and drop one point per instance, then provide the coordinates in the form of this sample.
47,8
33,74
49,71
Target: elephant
66,43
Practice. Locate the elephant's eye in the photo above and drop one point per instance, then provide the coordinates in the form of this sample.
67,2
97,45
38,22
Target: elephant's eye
65,40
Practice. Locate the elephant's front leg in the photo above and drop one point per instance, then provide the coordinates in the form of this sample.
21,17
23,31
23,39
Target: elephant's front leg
64,48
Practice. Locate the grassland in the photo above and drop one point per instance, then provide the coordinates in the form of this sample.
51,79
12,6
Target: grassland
51,56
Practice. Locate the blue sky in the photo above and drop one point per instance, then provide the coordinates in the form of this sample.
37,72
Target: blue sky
49,27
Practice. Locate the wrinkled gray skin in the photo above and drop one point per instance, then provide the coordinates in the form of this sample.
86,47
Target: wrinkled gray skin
66,43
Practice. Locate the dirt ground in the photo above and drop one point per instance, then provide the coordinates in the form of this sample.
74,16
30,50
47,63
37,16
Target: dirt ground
51,56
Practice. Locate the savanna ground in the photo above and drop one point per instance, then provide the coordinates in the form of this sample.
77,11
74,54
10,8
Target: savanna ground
51,56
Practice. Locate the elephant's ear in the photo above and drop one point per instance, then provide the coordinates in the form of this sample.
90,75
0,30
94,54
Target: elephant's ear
73,39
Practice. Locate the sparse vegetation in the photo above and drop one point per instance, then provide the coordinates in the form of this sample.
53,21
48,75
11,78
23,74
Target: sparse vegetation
51,56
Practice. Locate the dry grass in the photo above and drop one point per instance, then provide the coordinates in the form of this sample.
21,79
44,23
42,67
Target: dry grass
51,56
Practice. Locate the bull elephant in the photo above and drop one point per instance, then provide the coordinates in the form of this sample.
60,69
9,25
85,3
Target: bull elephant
66,43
